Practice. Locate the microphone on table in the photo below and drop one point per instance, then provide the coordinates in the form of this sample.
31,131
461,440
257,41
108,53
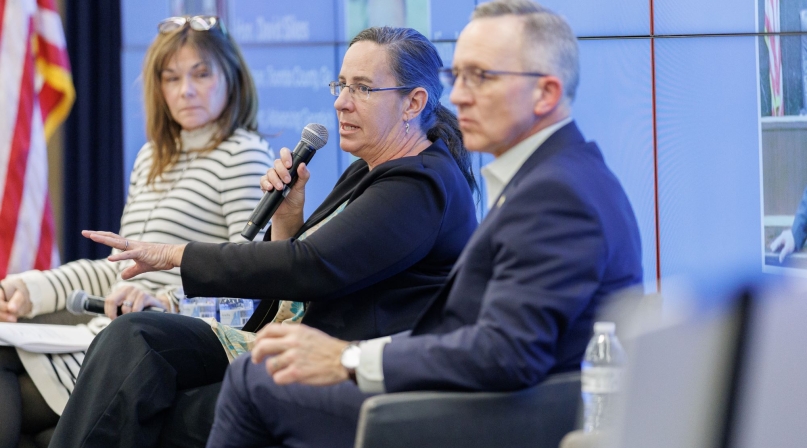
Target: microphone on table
314,137
79,302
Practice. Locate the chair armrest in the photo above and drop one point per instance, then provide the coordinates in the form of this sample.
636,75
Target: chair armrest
536,417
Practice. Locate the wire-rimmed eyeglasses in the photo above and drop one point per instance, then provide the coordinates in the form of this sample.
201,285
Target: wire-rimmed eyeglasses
474,77
363,91
198,23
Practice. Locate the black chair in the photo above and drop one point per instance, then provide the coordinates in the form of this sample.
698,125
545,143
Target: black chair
537,417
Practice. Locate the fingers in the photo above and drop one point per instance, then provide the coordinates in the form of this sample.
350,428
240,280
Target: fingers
133,271
130,300
785,242
164,302
274,330
5,315
302,176
87,233
277,363
283,369
777,243
285,156
267,347
112,301
19,304
15,301
278,175
145,300
786,250
272,340
138,301
128,255
107,238
271,180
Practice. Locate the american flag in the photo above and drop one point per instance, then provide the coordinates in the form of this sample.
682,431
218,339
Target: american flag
773,43
36,93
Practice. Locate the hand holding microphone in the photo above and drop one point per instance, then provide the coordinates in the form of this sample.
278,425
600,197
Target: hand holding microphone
314,137
288,217
123,300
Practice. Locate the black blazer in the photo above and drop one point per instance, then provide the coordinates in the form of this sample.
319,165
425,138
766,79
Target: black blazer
520,301
368,272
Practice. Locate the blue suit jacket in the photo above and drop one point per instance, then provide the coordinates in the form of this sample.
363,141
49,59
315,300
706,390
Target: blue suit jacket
520,301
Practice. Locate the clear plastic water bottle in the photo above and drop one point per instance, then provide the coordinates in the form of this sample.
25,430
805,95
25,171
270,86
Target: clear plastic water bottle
235,312
198,307
602,369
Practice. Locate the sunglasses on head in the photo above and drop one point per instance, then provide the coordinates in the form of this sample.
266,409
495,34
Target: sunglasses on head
198,23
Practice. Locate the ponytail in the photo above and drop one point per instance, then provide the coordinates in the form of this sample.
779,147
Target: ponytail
447,128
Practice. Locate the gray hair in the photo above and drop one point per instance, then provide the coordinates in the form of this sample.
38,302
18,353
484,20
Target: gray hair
550,45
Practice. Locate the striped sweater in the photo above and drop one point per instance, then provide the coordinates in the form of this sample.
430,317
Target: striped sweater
200,198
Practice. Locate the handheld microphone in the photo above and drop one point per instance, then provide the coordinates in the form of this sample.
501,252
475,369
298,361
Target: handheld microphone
314,137
79,302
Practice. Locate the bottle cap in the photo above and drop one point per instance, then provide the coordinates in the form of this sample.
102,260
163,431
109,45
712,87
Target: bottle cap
604,327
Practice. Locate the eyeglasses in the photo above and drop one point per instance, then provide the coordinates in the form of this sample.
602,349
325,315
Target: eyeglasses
198,23
337,87
474,77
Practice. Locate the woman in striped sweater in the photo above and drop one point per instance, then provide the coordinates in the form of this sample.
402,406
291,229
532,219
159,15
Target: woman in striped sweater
197,179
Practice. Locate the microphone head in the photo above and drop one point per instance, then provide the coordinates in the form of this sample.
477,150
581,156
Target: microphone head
315,135
75,301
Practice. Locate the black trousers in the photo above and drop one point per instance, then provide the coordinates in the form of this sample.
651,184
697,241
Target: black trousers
134,372
254,412
23,411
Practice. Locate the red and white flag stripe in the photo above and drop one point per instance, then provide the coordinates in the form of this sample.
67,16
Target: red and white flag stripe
37,92
773,43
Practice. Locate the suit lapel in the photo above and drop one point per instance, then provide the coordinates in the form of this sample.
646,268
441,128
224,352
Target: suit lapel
565,137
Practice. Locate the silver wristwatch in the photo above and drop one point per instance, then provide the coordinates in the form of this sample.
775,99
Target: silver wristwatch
351,355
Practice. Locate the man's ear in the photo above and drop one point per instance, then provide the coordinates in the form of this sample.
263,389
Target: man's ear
417,101
548,94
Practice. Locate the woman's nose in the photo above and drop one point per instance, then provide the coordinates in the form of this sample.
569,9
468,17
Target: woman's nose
344,100
187,87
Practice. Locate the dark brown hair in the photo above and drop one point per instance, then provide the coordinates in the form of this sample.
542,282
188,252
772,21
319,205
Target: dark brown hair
415,63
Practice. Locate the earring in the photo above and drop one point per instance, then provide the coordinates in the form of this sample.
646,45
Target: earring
407,126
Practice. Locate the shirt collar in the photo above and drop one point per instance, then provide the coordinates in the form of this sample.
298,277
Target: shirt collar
501,170
200,138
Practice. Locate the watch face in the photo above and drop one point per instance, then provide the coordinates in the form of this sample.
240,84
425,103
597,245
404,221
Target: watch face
351,356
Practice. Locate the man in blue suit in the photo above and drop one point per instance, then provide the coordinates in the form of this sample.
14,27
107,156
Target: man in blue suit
519,305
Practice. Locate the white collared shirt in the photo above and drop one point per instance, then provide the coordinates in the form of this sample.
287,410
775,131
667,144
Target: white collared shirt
501,170
497,174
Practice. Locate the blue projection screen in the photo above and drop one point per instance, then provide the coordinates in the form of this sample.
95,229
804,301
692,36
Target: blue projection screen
699,106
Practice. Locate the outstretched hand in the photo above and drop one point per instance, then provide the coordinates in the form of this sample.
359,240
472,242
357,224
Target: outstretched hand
299,354
786,242
147,256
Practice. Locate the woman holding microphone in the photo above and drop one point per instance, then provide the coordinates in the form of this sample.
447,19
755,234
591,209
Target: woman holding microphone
363,265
